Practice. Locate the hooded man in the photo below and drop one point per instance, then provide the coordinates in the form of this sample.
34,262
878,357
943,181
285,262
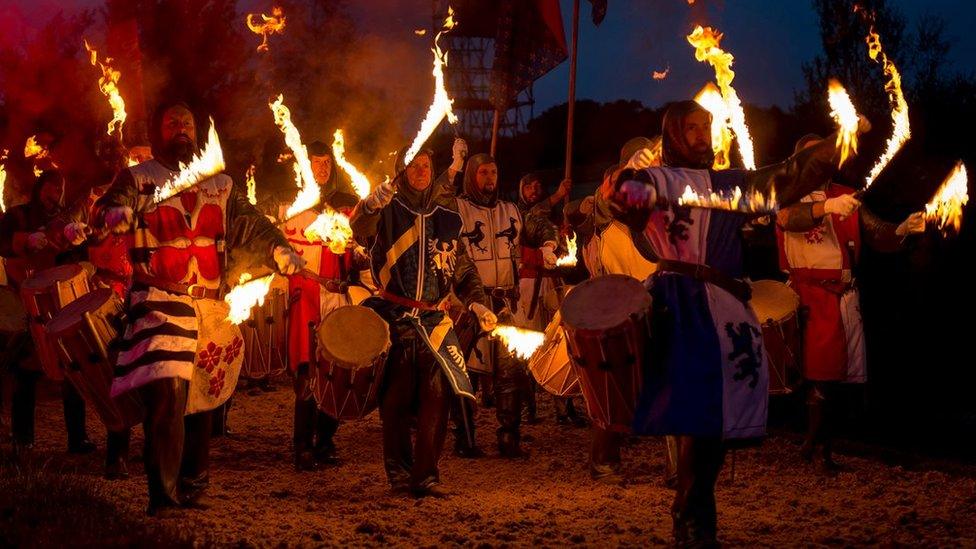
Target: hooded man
413,233
819,242
177,330
709,383
494,232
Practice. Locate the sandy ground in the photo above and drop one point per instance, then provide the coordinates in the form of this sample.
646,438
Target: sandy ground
258,498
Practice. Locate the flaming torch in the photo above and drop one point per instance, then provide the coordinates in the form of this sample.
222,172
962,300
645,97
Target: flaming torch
706,43
3,180
246,295
252,191
568,260
108,84
519,341
901,130
845,115
441,106
945,209
332,228
359,181
275,24
711,99
206,164
734,201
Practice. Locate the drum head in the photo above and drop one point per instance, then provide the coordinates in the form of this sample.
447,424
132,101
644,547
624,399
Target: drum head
47,277
353,335
772,300
13,317
73,312
604,302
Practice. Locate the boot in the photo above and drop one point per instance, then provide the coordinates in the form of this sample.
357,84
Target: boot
509,412
325,448
465,441
303,440
814,425
116,455
531,411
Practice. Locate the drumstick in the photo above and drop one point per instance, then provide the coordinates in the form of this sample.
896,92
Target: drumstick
330,284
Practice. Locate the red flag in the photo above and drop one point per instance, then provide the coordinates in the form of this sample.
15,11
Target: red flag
529,42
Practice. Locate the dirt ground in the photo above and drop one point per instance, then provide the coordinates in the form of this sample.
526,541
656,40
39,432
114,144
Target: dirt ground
549,500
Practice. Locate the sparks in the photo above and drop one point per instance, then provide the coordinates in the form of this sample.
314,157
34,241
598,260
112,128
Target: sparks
901,130
735,201
441,106
108,85
568,260
246,295
275,24
252,191
706,43
660,75
204,165
845,115
523,343
359,181
945,208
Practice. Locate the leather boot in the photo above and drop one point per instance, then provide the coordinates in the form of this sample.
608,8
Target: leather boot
509,416
117,454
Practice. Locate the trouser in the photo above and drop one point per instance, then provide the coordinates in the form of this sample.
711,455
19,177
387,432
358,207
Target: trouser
604,451
509,382
24,402
693,510
463,412
413,386
313,429
822,417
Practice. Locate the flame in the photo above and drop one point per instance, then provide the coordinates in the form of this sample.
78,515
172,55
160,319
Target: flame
711,99
308,194
945,209
735,201
36,152
275,24
706,43
660,75
845,115
207,163
359,181
568,260
441,105
420,32
901,130
252,192
3,179
246,295
108,84
332,228
523,343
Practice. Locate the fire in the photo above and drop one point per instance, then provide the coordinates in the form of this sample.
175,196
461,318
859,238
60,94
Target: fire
36,152
252,191
945,209
441,105
308,194
420,32
845,115
205,164
523,343
706,43
332,228
246,295
711,99
736,201
901,130
3,180
660,75
108,84
359,181
275,24
568,260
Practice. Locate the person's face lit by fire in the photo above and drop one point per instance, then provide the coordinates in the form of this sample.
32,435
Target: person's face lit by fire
698,132
419,172
52,193
321,168
179,133
486,178
531,192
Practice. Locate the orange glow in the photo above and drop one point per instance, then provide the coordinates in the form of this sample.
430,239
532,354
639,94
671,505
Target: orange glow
359,180
441,106
568,260
308,193
36,152
901,130
206,164
845,115
756,202
246,295
108,85
3,180
275,24
332,228
711,99
945,209
660,75
252,191
519,341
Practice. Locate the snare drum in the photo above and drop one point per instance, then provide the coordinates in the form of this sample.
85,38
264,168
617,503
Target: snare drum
44,294
352,344
776,306
551,366
608,326
85,333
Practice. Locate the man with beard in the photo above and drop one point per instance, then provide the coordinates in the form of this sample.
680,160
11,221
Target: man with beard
417,259
31,239
706,381
494,231
310,302
176,324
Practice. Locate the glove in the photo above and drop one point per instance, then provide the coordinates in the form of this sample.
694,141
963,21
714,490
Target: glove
119,219
380,197
459,153
486,318
75,233
635,194
642,159
37,241
549,255
843,205
913,224
287,260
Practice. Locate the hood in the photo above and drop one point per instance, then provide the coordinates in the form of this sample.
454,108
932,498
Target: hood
418,201
523,204
471,190
674,149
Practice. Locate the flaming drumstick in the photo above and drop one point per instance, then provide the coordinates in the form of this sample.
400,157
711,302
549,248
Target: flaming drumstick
108,84
275,24
901,130
246,295
945,208
523,343
204,165
735,201
359,181
846,117
568,260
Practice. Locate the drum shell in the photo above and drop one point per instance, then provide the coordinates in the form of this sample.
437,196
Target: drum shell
552,366
44,294
266,337
777,308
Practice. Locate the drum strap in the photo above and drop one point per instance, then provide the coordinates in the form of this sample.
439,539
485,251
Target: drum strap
738,288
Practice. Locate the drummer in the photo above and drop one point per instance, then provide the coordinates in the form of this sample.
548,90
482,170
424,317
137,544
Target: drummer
31,237
314,431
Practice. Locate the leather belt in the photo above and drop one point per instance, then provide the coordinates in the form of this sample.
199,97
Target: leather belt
195,291
740,289
442,305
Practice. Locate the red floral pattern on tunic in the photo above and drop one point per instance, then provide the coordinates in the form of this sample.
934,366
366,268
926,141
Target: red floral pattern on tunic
217,383
209,357
815,235
233,349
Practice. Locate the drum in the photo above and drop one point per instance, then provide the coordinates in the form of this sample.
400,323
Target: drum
551,366
608,327
44,294
352,344
266,334
85,333
776,306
